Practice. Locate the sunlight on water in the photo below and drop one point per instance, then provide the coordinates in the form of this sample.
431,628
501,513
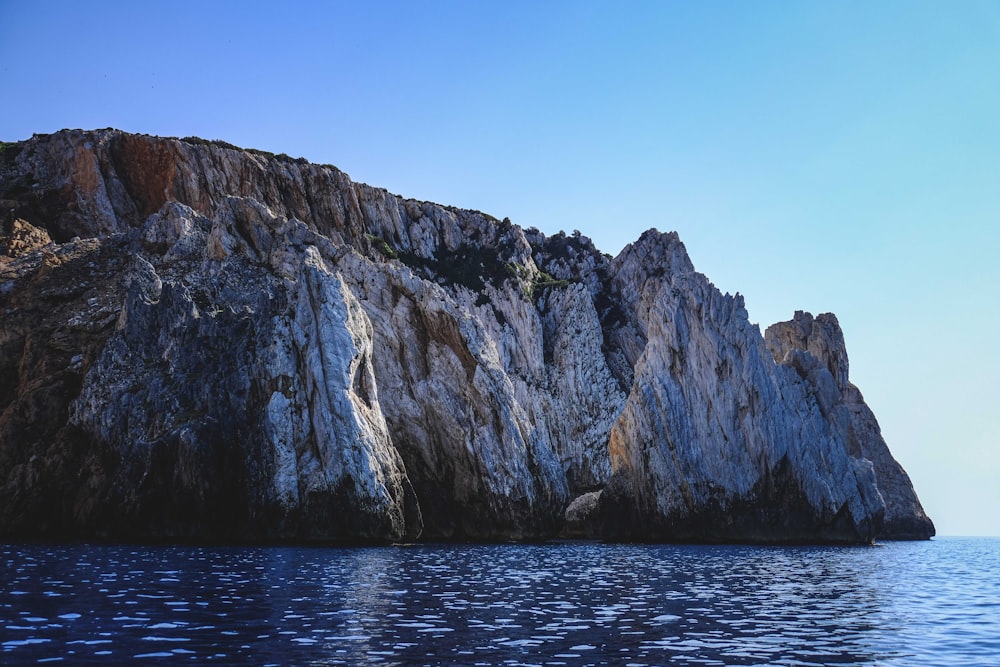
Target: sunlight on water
562,604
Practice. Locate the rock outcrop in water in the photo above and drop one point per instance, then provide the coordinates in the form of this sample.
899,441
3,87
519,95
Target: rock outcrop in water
200,342
814,348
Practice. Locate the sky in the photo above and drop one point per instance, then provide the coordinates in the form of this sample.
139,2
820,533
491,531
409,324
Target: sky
822,156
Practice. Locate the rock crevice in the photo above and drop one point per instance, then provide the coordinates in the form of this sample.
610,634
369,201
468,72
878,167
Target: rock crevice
204,343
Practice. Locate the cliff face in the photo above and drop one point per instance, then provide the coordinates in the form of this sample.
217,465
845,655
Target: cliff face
200,342
814,348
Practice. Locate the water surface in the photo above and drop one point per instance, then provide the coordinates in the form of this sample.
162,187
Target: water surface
914,603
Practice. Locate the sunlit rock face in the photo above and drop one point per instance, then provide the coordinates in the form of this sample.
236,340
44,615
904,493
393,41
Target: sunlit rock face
204,343
815,348
716,441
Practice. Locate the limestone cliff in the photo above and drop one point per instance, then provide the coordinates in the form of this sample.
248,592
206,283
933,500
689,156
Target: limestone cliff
814,348
201,342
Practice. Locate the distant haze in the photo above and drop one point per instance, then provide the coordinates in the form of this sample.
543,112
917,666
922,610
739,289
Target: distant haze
835,157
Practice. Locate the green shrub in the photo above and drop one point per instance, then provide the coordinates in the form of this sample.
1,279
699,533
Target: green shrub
382,246
542,282
10,150
468,265
474,267
198,141
218,143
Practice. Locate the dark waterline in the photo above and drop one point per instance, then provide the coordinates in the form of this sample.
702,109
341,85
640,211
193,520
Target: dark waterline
909,603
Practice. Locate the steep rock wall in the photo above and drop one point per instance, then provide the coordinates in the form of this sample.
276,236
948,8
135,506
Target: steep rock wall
715,441
814,348
250,347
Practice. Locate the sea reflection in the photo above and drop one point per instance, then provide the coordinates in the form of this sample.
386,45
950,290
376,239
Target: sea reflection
560,604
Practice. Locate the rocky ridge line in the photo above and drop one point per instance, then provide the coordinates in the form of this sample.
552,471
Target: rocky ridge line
200,342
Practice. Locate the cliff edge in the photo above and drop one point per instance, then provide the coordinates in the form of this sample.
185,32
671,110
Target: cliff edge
201,342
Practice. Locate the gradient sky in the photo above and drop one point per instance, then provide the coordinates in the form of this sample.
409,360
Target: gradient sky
821,156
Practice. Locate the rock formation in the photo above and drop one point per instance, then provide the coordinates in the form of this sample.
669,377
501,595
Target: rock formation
200,342
814,348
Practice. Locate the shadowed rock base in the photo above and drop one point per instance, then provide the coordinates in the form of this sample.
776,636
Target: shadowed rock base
775,512
201,343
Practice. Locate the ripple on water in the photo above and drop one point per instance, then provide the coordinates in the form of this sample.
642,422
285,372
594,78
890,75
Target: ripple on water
906,603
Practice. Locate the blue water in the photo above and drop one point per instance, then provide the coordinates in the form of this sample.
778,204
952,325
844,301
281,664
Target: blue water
916,603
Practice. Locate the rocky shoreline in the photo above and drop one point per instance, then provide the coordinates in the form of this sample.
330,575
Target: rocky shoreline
200,342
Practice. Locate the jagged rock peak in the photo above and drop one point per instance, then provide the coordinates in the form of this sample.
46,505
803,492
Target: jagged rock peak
204,342
821,336
815,348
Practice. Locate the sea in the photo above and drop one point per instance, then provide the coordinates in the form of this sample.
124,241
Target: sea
900,603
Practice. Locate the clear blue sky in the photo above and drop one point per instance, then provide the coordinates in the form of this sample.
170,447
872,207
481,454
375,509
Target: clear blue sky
823,156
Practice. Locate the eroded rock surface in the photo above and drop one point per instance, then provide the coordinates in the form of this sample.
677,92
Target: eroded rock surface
200,342
815,348
716,441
